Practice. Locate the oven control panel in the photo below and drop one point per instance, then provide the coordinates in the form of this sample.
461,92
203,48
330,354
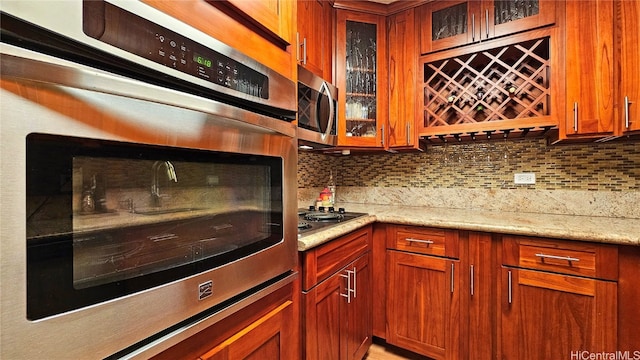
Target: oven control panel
139,36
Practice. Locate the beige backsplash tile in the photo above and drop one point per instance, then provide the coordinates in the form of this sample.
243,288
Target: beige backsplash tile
579,179
565,202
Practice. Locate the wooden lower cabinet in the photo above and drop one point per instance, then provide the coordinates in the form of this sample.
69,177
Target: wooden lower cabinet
338,317
423,304
266,329
264,339
556,316
337,313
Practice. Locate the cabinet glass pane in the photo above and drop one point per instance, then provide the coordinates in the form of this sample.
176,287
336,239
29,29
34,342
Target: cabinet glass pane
449,22
360,107
510,10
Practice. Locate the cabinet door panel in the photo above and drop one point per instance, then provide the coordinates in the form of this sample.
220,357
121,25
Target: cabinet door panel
263,339
628,23
589,67
323,324
423,308
447,24
510,16
551,316
402,79
312,36
360,309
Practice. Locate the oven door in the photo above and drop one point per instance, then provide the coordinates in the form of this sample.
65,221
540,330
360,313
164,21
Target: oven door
129,209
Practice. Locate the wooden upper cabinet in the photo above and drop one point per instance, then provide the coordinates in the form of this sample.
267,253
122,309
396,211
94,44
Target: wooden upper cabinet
314,37
627,32
602,61
274,17
361,69
589,68
447,24
403,57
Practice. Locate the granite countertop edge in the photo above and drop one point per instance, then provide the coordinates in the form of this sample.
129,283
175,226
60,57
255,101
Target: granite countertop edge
620,231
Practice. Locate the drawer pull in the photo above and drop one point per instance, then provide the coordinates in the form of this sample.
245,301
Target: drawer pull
428,242
555,257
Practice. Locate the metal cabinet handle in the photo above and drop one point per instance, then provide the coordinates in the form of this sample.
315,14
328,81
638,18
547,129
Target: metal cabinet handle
626,112
355,282
471,271
297,46
453,268
486,17
473,27
575,117
304,51
428,242
556,257
382,135
509,289
408,134
348,294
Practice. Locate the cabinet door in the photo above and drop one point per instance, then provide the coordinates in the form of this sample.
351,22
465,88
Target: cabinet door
403,57
323,324
447,24
503,17
360,71
266,14
628,63
554,316
264,339
312,36
482,297
423,312
359,309
589,67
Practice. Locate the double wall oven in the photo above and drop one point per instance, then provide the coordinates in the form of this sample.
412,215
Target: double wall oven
148,180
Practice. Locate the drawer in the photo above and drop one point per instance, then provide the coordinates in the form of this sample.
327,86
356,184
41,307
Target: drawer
323,261
560,256
423,240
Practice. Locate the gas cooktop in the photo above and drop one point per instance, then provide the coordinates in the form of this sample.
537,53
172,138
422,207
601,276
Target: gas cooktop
312,219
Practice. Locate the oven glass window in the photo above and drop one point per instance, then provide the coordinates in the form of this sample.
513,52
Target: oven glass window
106,219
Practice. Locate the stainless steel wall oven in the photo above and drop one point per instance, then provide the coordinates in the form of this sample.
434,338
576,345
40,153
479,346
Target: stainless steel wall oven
148,180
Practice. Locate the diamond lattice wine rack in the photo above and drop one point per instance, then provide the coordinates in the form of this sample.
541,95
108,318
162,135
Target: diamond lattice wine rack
498,89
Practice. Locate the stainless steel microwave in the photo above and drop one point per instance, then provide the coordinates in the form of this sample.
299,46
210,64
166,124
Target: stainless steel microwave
317,111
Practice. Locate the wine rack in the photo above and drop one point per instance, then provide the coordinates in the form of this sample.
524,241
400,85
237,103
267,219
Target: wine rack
490,86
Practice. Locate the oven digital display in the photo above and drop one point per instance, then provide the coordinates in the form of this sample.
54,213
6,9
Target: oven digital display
201,60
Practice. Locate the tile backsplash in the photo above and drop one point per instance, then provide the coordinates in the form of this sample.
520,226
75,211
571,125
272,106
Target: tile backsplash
597,179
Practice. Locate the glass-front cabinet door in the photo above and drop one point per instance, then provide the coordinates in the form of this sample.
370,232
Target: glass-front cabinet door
361,59
451,23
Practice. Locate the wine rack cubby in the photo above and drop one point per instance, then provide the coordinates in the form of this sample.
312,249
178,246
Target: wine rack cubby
483,89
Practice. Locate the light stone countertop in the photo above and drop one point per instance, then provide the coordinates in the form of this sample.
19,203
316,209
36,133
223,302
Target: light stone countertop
623,231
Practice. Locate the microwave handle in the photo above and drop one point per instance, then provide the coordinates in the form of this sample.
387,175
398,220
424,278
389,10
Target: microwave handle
324,88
